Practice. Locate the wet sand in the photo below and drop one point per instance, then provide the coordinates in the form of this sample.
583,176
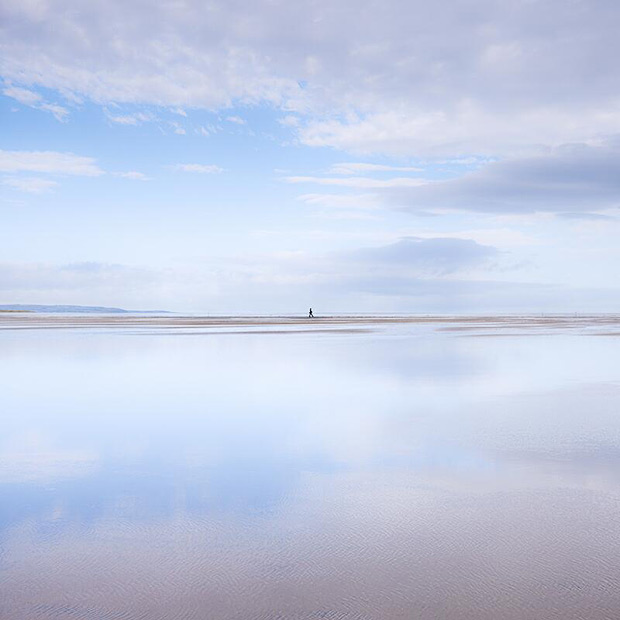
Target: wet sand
533,323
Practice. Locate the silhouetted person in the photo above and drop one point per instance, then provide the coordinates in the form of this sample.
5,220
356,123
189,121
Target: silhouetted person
310,315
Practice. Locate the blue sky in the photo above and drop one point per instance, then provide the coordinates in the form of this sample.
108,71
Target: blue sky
226,157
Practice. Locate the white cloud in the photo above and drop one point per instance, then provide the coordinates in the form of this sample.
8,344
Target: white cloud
289,121
51,162
178,129
35,100
133,175
408,274
360,182
208,130
495,77
23,95
571,180
123,120
31,185
237,120
136,118
470,127
199,168
60,113
356,168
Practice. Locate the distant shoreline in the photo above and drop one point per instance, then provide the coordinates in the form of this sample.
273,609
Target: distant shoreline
72,309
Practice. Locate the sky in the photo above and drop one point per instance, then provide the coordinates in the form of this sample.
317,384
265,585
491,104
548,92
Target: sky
268,156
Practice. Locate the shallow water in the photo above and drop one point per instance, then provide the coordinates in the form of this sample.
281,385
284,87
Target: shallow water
406,472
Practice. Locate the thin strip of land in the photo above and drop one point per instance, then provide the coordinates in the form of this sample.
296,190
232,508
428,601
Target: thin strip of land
189,323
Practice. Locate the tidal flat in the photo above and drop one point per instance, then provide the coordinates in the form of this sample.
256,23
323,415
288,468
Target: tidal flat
362,467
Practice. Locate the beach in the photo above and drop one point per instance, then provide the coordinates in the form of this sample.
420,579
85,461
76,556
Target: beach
504,324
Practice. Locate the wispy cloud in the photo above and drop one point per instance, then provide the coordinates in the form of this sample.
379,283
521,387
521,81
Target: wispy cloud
135,118
199,168
133,175
31,185
570,181
178,128
59,112
359,182
208,130
237,120
35,100
357,168
51,162
23,95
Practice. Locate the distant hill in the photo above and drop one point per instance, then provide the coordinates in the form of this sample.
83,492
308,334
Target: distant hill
81,309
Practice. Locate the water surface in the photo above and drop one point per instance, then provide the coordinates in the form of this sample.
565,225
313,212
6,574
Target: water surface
384,471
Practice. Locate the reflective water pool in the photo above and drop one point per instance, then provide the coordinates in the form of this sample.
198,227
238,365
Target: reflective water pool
403,472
